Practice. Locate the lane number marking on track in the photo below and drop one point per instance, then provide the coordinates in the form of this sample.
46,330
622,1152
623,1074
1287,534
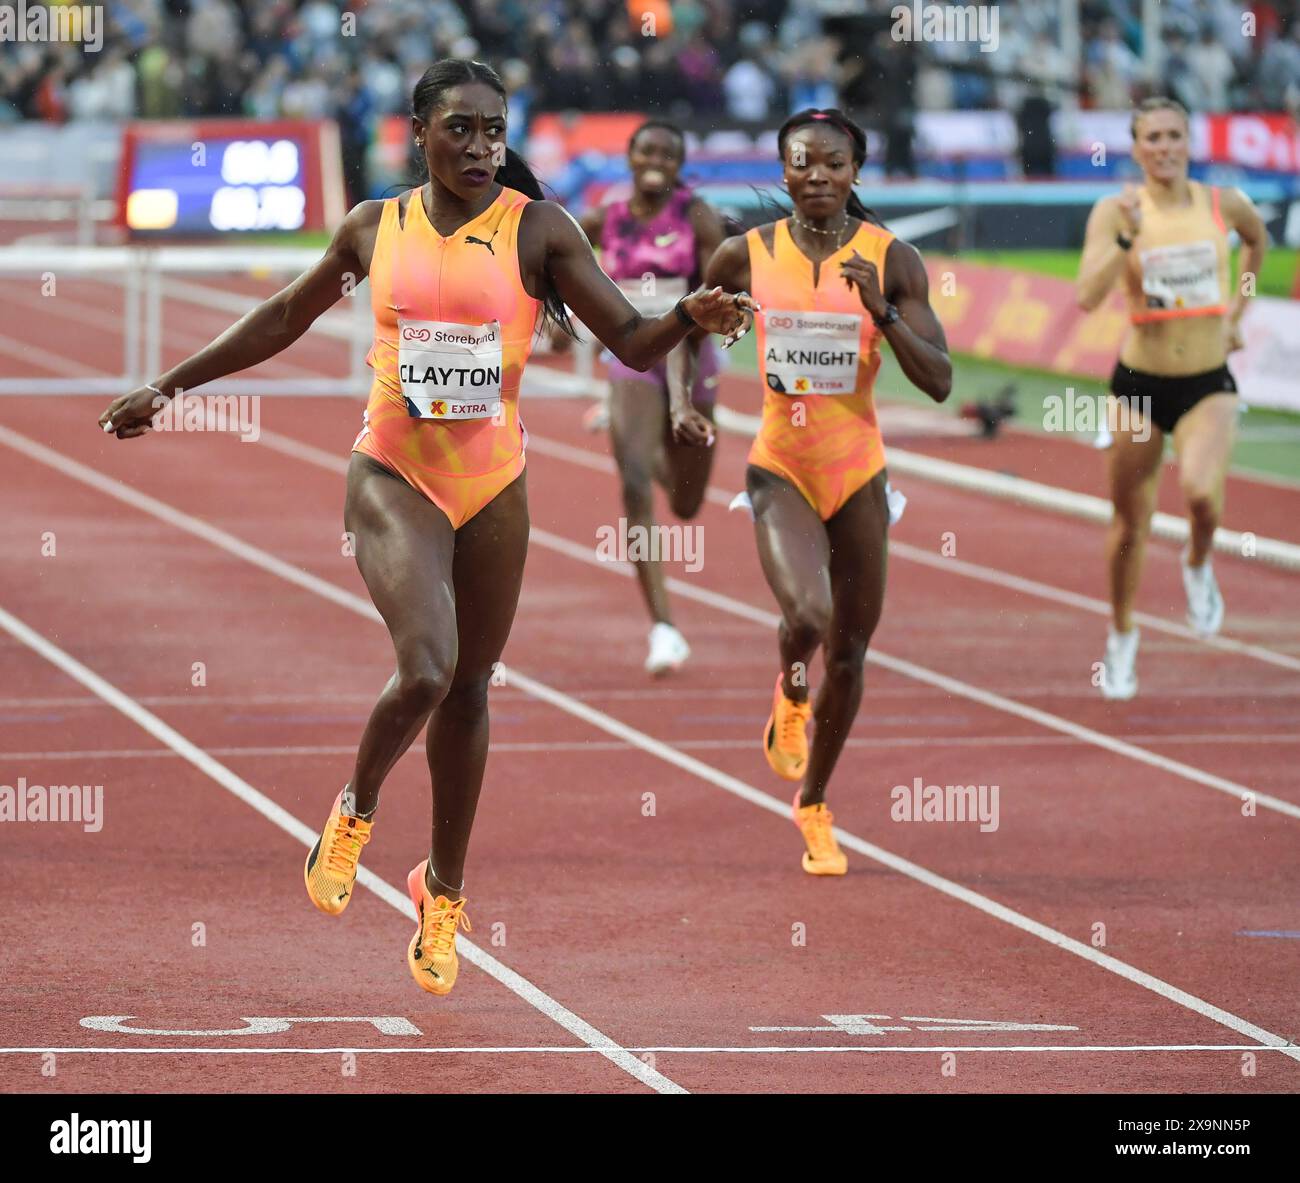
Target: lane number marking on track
865,1025
116,1024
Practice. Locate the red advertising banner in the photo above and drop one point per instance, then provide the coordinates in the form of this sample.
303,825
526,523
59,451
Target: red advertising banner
1026,320
1254,141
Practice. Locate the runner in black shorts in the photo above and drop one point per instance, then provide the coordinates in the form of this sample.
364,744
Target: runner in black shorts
1168,239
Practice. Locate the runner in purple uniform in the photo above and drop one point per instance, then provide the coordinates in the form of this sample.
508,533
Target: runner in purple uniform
655,246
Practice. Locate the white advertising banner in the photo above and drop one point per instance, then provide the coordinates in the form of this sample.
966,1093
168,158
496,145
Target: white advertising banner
1268,369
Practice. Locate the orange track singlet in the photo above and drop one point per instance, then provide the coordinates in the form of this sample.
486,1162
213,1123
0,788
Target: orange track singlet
1179,262
819,352
453,331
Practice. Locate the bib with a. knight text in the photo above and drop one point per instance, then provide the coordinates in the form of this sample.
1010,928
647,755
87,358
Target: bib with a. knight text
1181,278
653,295
449,370
811,352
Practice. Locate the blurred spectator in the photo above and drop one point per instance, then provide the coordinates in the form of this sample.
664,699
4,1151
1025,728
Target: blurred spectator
1037,144
212,29
1210,65
354,111
879,88
1046,65
1279,72
107,91
1179,81
265,98
306,96
750,89
160,77
1113,69
812,75
520,97
701,70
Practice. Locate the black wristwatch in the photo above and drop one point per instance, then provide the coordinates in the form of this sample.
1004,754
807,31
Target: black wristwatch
891,317
1124,243
685,317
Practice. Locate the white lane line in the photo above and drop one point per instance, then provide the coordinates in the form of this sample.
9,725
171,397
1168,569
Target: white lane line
1052,498
599,462
580,746
394,897
748,1049
267,562
79,313
953,686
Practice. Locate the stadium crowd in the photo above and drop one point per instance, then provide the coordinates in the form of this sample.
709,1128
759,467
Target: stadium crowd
754,59
746,62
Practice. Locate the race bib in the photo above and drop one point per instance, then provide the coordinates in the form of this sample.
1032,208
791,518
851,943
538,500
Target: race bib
449,370
1181,277
811,352
654,295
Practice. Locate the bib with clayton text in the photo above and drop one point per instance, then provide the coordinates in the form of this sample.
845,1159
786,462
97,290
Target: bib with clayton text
449,370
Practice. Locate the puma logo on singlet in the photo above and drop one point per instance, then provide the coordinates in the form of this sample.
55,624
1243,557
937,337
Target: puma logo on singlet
662,240
487,242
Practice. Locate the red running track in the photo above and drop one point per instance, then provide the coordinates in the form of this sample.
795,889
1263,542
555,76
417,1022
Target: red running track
682,930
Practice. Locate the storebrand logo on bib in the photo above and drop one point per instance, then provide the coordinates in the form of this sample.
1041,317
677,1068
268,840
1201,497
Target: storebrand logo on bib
486,337
410,334
780,322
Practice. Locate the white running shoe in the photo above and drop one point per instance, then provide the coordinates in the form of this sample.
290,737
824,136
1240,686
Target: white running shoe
596,418
1204,601
668,649
1119,672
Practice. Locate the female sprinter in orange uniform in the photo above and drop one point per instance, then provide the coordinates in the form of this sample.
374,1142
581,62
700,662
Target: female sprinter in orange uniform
655,246
832,282
436,498
1168,239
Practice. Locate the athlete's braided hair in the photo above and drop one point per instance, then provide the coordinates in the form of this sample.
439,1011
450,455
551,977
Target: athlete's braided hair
513,174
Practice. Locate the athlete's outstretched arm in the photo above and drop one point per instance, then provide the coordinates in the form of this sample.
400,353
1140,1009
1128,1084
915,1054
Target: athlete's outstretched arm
552,244
916,337
272,326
